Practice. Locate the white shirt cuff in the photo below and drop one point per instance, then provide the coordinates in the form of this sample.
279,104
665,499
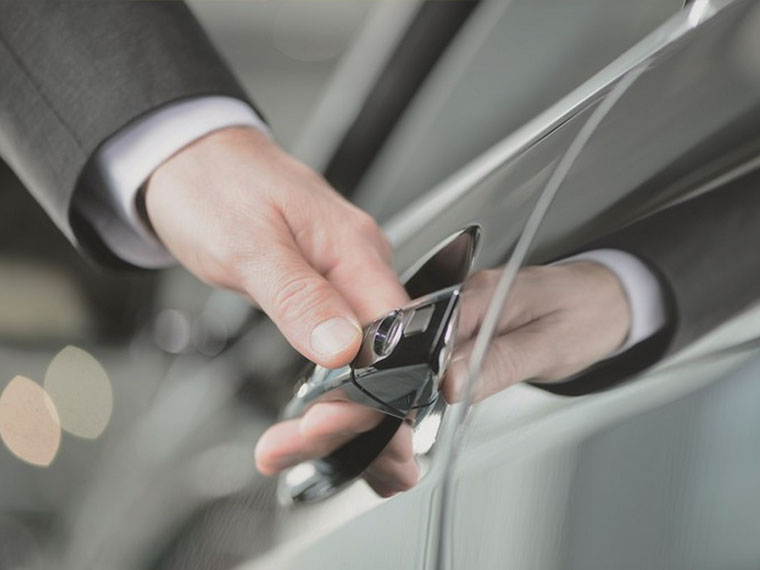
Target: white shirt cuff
127,160
642,288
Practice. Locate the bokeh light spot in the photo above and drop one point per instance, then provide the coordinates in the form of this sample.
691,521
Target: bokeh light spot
29,423
81,391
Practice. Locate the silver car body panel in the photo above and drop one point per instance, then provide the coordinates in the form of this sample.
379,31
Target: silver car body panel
515,481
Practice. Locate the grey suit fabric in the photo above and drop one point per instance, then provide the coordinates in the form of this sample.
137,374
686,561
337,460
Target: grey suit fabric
73,73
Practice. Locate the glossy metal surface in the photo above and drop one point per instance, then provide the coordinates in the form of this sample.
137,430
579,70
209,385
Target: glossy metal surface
550,482
692,114
513,60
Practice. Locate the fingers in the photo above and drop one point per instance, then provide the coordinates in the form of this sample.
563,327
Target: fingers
476,295
335,423
306,307
283,446
504,364
396,469
522,354
354,256
331,418
324,428
239,212
558,321
389,477
319,284
328,426
278,448
523,303
369,285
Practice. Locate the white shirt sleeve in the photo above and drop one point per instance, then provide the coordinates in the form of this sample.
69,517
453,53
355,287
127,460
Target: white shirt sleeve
127,160
642,288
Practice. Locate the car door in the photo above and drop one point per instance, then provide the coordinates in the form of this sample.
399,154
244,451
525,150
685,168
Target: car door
543,481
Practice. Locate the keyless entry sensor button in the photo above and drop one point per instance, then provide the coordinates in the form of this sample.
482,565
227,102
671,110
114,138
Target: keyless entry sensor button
419,321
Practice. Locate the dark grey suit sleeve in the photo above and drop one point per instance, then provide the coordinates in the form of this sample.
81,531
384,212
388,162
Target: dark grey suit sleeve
706,253
75,72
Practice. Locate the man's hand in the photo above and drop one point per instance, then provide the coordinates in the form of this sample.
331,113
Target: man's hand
240,213
558,320
327,426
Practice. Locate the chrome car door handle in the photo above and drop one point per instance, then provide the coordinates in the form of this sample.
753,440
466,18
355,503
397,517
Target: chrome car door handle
398,370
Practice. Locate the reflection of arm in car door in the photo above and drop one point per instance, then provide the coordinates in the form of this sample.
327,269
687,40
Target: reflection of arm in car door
705,255
591,320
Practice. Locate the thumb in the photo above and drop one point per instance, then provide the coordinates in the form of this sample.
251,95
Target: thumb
306,308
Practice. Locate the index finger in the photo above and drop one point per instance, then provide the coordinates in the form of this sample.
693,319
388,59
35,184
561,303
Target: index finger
368,284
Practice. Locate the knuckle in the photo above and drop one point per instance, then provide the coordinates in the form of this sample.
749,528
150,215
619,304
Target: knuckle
297,296
223,266
317,178
383,252
406,482
229,260
240,264
306,174
368,227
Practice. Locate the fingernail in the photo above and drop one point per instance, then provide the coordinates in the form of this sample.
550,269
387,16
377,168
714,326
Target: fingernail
333,336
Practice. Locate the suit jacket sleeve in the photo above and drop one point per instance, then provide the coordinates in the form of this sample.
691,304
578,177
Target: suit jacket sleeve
706,253
74,73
